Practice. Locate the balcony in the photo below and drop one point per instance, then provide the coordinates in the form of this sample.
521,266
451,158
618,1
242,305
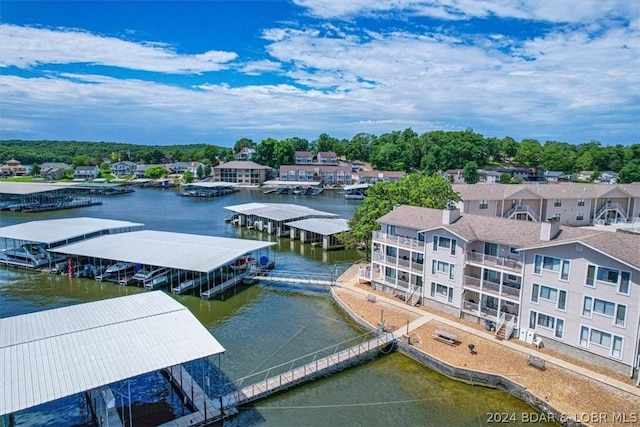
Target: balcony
398,240
507,289
518,210
511,291
604,213
472,282
512,264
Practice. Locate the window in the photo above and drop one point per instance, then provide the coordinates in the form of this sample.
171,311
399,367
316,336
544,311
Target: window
611,342
603,307
546,321
600,338
581,202
610,276
551,264
616,351
586,307
443,290
445,243
419,259
562,300
484,204
491,249
433,289
621,314
557,203
591,275
580,216
391,229
390,273
391,251
584,336
535,293
548,293
514,251
537,266
566,266
443,267
421,236
559,328
492,276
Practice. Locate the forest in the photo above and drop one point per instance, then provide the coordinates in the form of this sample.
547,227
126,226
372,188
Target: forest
399,150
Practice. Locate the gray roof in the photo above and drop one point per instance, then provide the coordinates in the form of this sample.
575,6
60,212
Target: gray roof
56,353
278,211
189,252
241,164
519,234
211,184
570,190
23,188
58,230
324,226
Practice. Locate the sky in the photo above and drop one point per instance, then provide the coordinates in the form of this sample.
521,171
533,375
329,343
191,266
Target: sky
164,72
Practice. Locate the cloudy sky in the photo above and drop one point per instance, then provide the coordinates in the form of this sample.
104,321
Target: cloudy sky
215,71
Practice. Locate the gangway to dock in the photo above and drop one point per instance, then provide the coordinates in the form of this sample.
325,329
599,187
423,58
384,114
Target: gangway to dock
303,277
294,376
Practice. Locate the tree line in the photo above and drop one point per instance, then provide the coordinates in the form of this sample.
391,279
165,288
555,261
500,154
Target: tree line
398,150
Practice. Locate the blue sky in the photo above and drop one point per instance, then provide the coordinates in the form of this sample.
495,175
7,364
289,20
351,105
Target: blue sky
161,72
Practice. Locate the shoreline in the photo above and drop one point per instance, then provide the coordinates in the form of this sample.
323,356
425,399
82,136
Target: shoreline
565,393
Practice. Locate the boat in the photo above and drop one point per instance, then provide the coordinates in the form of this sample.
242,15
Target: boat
145,275
242,263
28,254
116,271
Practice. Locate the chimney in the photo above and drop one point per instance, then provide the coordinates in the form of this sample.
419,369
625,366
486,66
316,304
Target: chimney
450,214
549,229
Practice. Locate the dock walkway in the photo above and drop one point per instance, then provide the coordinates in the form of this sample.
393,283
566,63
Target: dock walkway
307,372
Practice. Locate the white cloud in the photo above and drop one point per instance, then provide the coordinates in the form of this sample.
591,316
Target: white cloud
255,68
26,47
546,10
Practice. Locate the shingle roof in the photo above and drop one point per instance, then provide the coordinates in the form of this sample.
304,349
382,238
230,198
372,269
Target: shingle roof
571,190
625,247
241,164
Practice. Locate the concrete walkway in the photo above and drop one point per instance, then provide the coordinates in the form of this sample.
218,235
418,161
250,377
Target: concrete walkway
426,317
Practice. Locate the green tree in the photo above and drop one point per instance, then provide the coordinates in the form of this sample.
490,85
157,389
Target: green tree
629,173
243,143
415,190
187,177
505,178
155,172
529,152
470,173
35,169
81,160
200,172
207,170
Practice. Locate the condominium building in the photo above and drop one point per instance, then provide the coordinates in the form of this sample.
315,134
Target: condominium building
327,174
569,203
242,172
576,289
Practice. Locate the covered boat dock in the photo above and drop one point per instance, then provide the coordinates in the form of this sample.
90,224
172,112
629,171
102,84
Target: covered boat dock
205,263
39,197
208,189
309,188
356,191
29,244
319,231
272,218
97,348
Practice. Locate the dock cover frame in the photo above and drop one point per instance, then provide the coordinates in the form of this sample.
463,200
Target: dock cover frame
56,353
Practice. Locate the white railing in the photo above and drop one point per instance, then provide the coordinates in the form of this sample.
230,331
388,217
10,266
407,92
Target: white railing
472,282
501,321
399,240
611,207
364,273
522,209
415,292
471,306
510,263
510,327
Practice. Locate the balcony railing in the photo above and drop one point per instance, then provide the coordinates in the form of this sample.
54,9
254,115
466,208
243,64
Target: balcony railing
510,290
472,282
495,261
611,207
398,240
491,286
518,209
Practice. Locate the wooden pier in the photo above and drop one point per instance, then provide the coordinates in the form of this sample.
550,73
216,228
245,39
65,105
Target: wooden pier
308,372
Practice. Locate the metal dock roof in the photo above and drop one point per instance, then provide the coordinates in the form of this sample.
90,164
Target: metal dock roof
56,353
190,252
278,211
58,230
211,184
356,186
324,226
24,188
277,183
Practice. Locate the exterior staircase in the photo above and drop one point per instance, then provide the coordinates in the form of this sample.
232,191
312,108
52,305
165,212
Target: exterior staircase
504,327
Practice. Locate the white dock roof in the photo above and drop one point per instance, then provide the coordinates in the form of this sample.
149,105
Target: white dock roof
58,230
23,188
292,183
356,186
278,211
324,226
190,252
57,353
211,184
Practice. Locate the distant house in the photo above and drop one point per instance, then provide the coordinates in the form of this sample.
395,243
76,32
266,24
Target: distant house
554,176
53,170
86,173
490,177
123,168
182,167
608,177
242,172
245,154
327,158
585,175
13,168
371,177
524,174
303,157
327,174
453,175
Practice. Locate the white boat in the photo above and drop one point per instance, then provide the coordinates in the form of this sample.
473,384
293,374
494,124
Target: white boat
147,274
28,254
241,264
116,271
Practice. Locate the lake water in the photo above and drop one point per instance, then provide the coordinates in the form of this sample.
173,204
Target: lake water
260,326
